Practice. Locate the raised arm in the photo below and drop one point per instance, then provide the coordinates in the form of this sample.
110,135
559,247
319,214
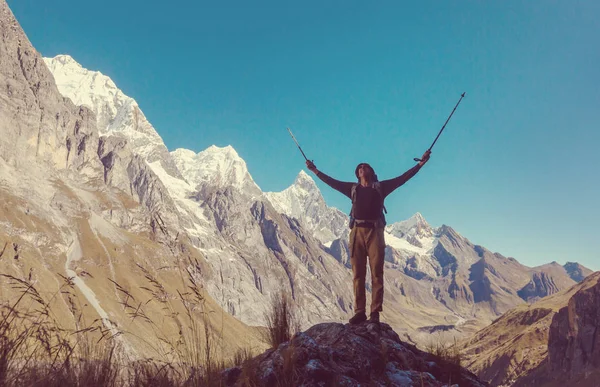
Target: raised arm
388,186
341,186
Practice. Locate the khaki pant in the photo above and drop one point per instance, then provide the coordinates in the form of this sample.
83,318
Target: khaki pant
367,242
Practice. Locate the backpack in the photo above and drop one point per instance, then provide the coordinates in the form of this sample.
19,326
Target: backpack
377,186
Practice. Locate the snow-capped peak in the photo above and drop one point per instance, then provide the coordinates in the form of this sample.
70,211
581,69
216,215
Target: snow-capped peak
65,60
115,111
90,88
416,226
417,218
218,166
226,152
304,181
303,201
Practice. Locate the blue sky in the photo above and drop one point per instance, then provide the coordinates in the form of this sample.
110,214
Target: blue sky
515,171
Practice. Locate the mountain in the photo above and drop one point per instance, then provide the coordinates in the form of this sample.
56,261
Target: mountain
116,113
220,207
213,201
573,342
303,201
531,340
90,191
440,281
78,204
576,271
216,191
216,167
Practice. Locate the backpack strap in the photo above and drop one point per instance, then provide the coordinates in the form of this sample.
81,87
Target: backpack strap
353,198
377,187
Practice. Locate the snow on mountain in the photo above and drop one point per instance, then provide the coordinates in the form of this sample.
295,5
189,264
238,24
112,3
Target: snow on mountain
116,113
410,243
303,201
217,205
415,226
225,214
402,244
129,204
214,167
252,241
218,167
415,230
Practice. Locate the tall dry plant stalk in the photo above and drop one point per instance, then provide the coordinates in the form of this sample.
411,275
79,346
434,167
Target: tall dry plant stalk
36,350
450,359
281,318
194,355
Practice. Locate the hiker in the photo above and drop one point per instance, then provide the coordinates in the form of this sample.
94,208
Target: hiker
367,222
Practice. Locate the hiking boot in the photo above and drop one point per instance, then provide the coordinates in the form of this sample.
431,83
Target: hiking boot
374,318
358,318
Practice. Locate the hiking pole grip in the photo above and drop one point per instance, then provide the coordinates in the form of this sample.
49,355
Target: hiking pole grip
418,160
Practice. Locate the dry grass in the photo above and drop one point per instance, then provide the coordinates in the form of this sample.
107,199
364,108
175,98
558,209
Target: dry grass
35,350
281,318
282,324
449,359
289,375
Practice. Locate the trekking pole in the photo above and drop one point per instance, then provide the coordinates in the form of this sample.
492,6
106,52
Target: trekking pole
298,145
441,130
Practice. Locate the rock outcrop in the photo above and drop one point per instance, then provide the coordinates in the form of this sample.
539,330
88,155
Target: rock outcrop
37,123
574,342
345,355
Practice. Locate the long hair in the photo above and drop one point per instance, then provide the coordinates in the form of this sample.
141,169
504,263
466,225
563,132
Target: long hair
370,167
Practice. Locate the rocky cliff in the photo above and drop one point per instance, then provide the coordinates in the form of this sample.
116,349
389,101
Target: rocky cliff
541,342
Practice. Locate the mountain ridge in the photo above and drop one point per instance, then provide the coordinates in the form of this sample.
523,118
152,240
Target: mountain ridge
439,256
81,169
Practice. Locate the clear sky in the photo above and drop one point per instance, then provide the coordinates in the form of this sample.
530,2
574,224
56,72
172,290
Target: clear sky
516,169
